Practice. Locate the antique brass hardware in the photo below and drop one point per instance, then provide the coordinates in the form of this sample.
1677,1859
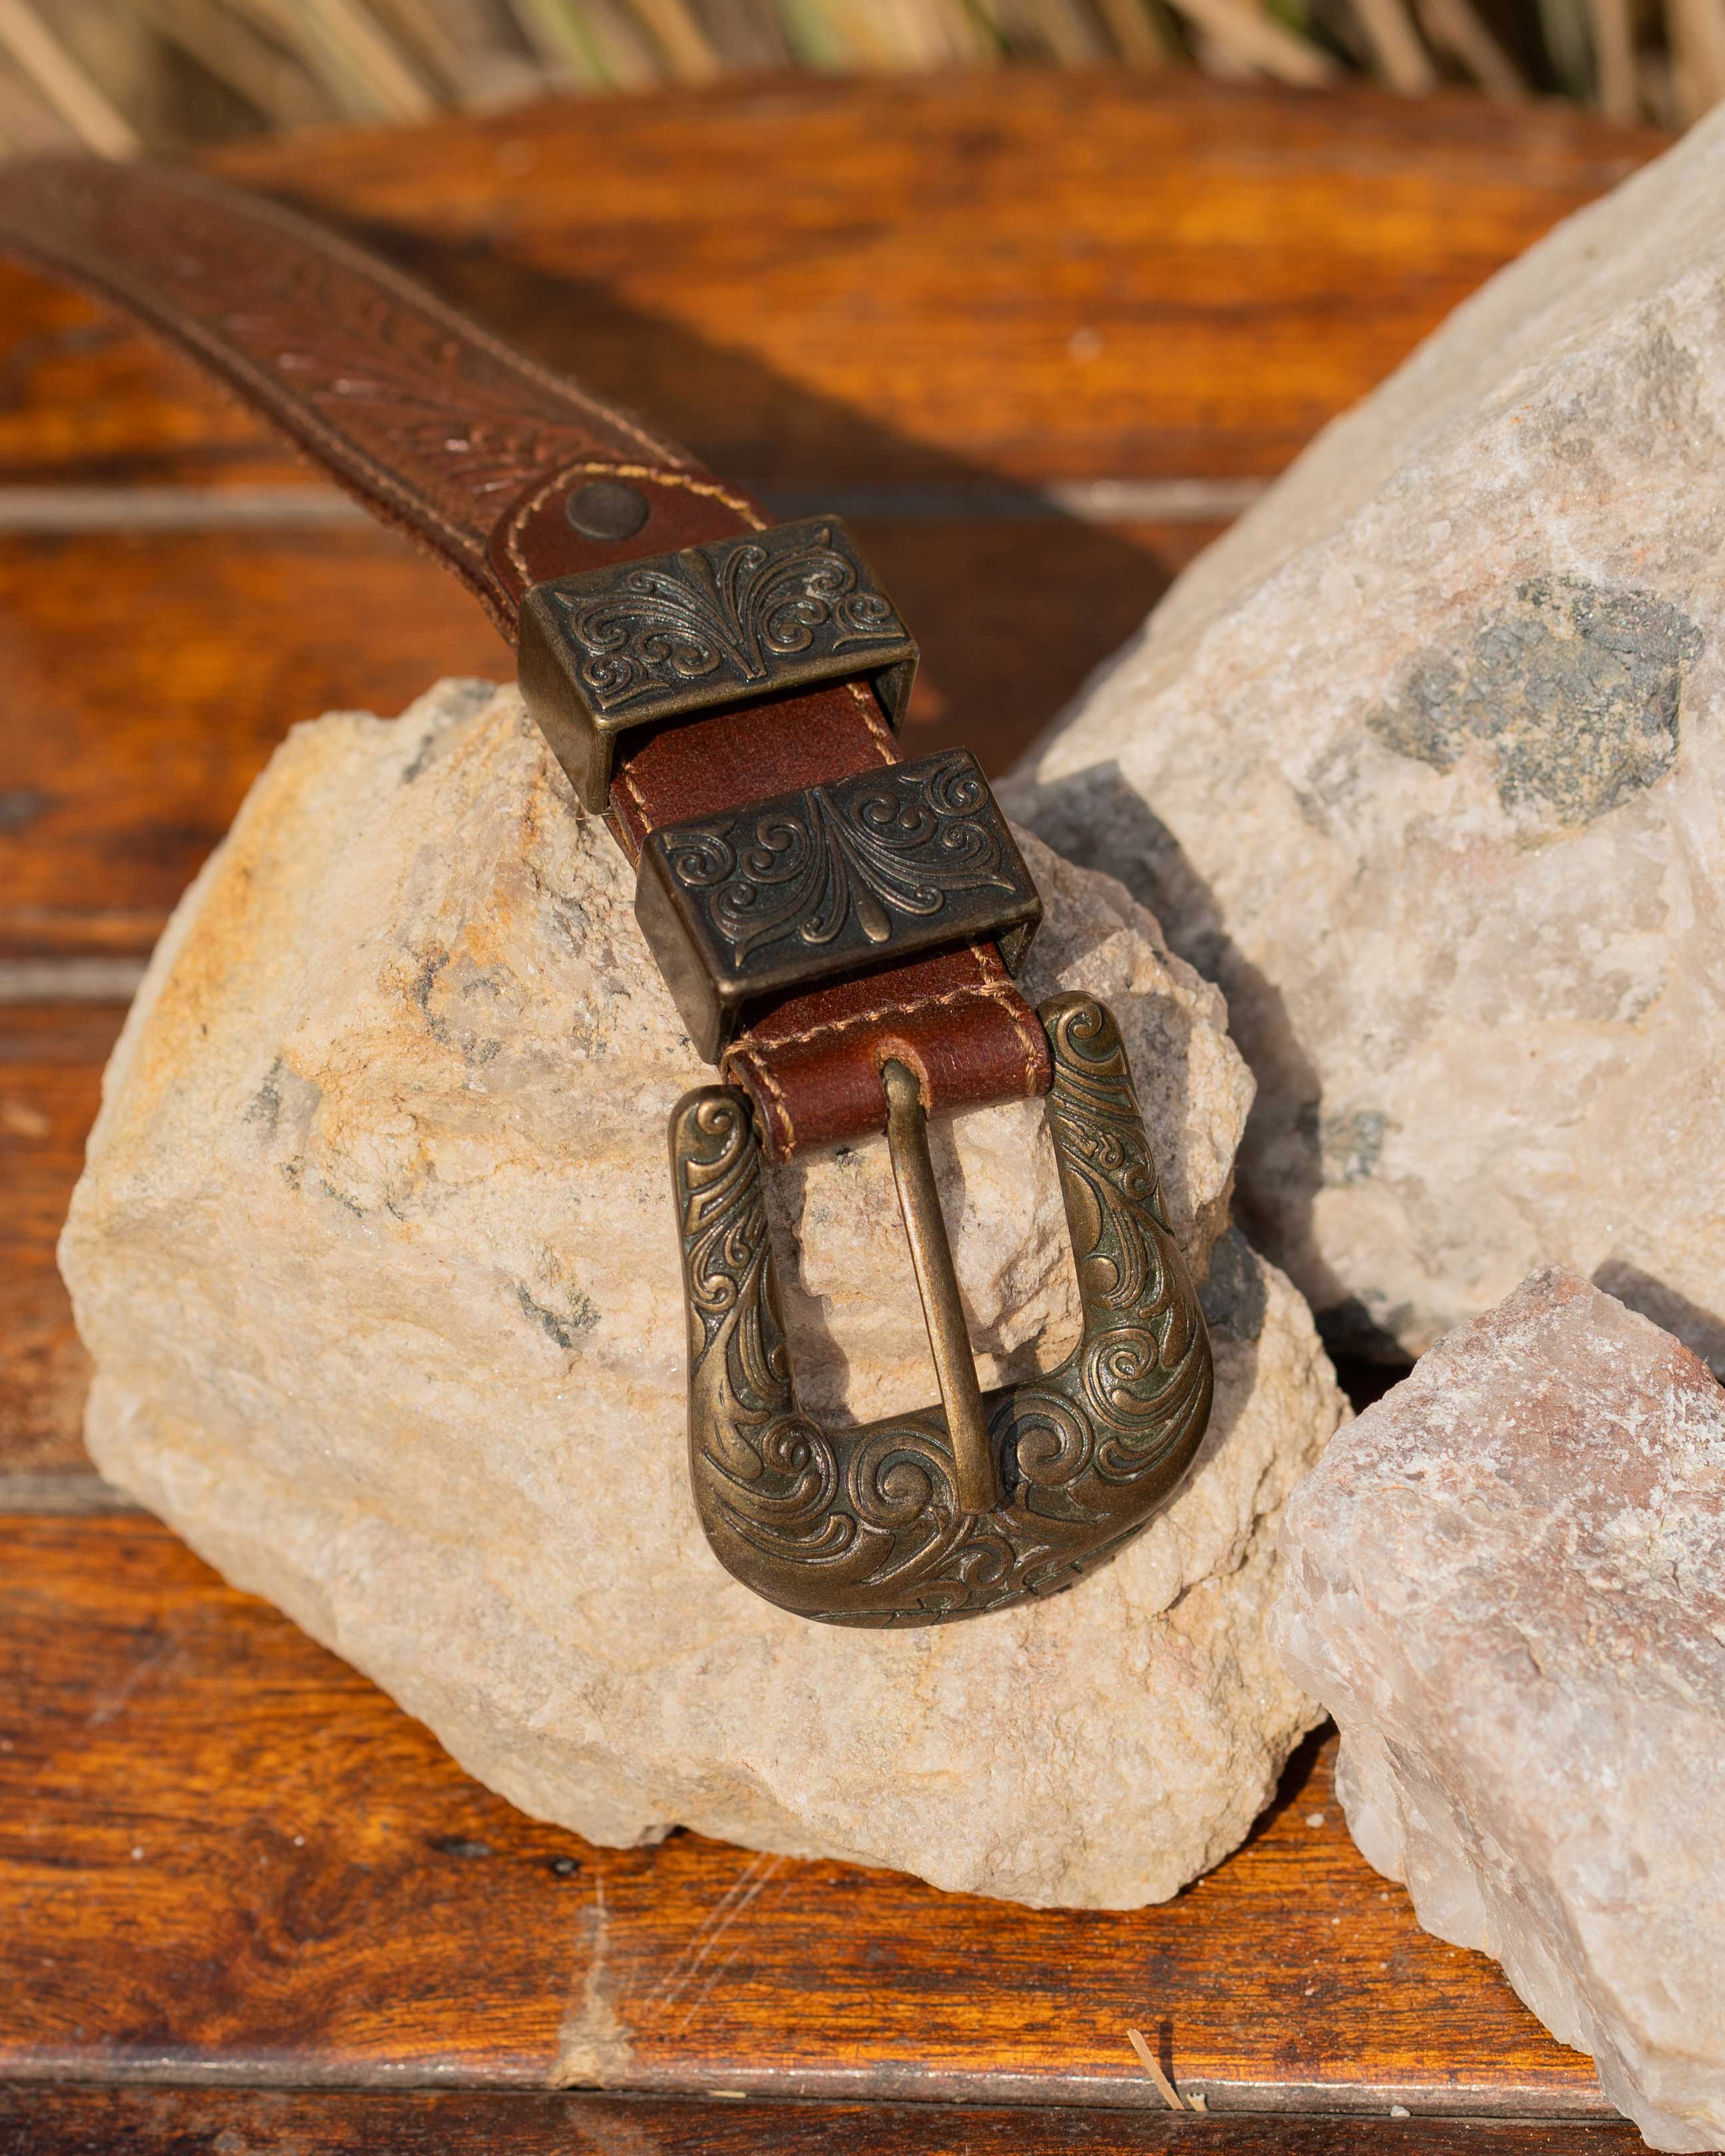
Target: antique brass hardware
776,896
726,623
989,1499
976,1483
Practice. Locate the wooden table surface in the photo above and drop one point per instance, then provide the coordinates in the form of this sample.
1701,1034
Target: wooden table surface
1040,336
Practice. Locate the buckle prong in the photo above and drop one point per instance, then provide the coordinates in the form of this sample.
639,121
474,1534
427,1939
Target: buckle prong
975,1483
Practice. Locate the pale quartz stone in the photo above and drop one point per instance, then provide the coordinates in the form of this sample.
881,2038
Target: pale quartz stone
376,1257
1506,1581
1424,764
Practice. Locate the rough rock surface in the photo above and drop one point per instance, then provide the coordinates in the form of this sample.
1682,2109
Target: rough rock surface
377,1258
1424,763
1506,1581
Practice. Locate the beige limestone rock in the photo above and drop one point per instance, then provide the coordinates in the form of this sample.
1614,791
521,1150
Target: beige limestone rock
377,1258
1506,1581
1424,764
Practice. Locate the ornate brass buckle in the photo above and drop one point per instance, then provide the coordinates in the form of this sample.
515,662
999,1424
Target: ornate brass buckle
987,1499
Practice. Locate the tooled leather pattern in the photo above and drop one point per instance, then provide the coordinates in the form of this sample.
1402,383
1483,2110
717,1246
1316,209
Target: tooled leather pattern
431,423
440,429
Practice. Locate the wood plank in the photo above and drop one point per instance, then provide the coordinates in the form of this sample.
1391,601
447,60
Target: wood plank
85,398
68,2120
947,290
158,673
1055,275
216,1851
942,285
1013,617
225,1856
51,1060
1059,274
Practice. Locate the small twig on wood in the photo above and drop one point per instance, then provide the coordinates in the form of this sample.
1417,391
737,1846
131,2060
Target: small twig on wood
1147,2058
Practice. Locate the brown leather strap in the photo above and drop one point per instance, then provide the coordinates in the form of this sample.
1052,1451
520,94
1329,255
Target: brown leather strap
471,448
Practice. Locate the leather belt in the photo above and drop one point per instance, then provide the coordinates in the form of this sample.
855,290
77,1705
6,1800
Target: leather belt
839,926
515,478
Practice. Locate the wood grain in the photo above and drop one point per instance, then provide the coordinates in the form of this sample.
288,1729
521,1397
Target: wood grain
73,2121
155,674
1060,276
930,286
225,1855
1078,275
50,1070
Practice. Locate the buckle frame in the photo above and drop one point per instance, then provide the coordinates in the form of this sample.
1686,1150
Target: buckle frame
987,1499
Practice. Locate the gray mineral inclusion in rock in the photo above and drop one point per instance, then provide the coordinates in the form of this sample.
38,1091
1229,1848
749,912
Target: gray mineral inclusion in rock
1570,691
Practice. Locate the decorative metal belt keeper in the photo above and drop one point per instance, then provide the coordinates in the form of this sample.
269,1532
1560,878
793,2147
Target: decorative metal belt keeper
839,928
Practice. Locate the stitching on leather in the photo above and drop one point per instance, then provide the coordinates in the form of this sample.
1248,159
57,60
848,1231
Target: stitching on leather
608,467
1030,1031
776,1094
879,732
991,992
1035,1045
1025,1023
315,424
1001,993
431,501
622,782
209,337
306,421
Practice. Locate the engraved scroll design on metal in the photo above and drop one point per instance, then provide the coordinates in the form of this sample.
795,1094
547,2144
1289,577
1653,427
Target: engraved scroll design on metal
733,607
899,842
860,1526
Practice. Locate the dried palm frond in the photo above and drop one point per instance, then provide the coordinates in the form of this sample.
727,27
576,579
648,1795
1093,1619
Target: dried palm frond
49,68
119,74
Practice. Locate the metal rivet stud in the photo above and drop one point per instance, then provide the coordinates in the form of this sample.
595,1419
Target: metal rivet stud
606,509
